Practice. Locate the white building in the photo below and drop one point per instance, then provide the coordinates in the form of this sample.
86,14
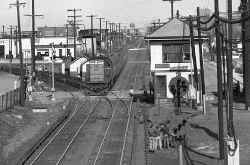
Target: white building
170,52
5,47
76,66
43,46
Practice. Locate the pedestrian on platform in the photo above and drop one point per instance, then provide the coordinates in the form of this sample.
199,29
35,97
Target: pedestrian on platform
173,136
165,135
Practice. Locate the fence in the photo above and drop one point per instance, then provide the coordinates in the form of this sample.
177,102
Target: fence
9,100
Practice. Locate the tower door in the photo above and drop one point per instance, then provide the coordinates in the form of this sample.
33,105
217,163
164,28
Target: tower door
160,86
2,51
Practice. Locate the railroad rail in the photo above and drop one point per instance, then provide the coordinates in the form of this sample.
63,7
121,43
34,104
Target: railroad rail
54,147
112,148
60,142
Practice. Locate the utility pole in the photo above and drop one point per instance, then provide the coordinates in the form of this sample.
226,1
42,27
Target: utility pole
11,39
92,34
100,22
74,16
247,60
22,90
114,33
230,71
53,72
67,40
203,90
244,52
193,52
117,34
219,83
16,38
232,142
172,6
33,40
125,34
119,24
10,47
106,35
110,34
3,34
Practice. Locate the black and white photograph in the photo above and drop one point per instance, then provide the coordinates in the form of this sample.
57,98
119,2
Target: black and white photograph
125,82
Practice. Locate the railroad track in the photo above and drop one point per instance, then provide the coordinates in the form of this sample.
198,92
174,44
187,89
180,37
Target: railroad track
112,147
55,148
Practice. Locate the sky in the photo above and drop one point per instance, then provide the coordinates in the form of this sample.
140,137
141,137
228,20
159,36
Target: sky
141,12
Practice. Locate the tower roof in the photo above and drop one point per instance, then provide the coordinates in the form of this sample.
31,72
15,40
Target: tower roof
173,29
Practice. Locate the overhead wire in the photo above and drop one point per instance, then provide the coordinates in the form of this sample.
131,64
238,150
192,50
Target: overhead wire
208,28
230,124
235,21
207,21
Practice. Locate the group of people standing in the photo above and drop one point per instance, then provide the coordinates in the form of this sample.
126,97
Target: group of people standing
162,136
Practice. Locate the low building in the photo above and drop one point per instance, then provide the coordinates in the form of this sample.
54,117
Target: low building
171,60
78,66
7,46
64,46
